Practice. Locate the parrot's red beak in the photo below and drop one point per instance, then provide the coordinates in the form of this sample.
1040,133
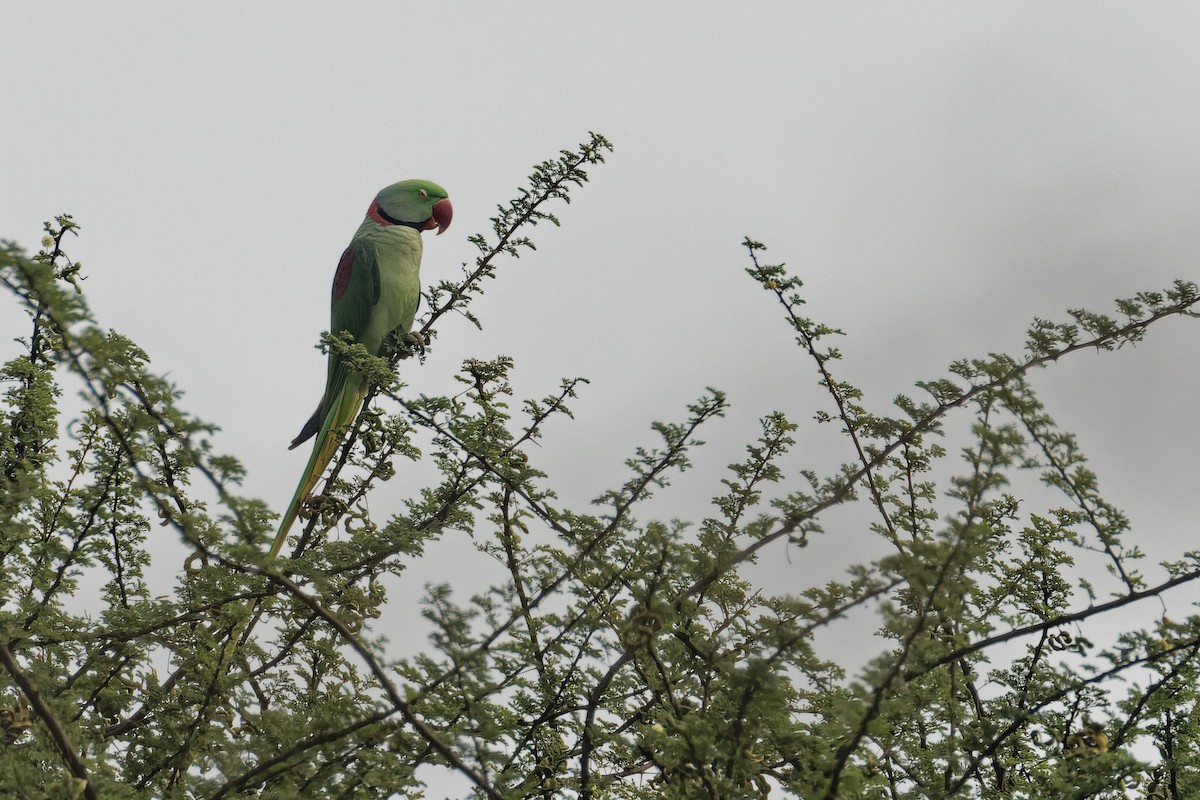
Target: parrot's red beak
443,212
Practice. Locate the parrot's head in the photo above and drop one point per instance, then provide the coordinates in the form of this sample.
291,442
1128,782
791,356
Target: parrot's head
423,204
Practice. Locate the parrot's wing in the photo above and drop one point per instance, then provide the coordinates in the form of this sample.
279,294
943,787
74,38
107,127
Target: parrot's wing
356,291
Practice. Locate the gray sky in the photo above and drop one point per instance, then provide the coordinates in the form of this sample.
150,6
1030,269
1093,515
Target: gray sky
938,173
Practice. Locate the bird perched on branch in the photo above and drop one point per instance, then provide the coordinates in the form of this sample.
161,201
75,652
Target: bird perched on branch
376,290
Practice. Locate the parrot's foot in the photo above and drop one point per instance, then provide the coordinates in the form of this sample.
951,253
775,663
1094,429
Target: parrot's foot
399,346
414,342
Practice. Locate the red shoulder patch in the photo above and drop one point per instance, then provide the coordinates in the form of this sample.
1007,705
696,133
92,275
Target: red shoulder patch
374,213
341,278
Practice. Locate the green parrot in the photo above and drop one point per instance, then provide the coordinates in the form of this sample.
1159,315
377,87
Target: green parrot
376,290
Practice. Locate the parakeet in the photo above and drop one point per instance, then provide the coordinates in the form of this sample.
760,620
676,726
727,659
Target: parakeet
376,290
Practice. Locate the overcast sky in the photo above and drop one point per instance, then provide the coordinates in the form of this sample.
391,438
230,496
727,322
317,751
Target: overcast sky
938,173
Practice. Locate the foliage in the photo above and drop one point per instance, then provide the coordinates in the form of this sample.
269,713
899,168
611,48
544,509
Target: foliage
620,658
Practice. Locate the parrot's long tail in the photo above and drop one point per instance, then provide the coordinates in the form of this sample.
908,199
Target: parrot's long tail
337,419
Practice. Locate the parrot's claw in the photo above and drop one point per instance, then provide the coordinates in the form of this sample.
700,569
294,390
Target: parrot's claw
399,346
415,342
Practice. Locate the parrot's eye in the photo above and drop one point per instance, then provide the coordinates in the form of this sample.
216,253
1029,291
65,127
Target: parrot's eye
422,193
